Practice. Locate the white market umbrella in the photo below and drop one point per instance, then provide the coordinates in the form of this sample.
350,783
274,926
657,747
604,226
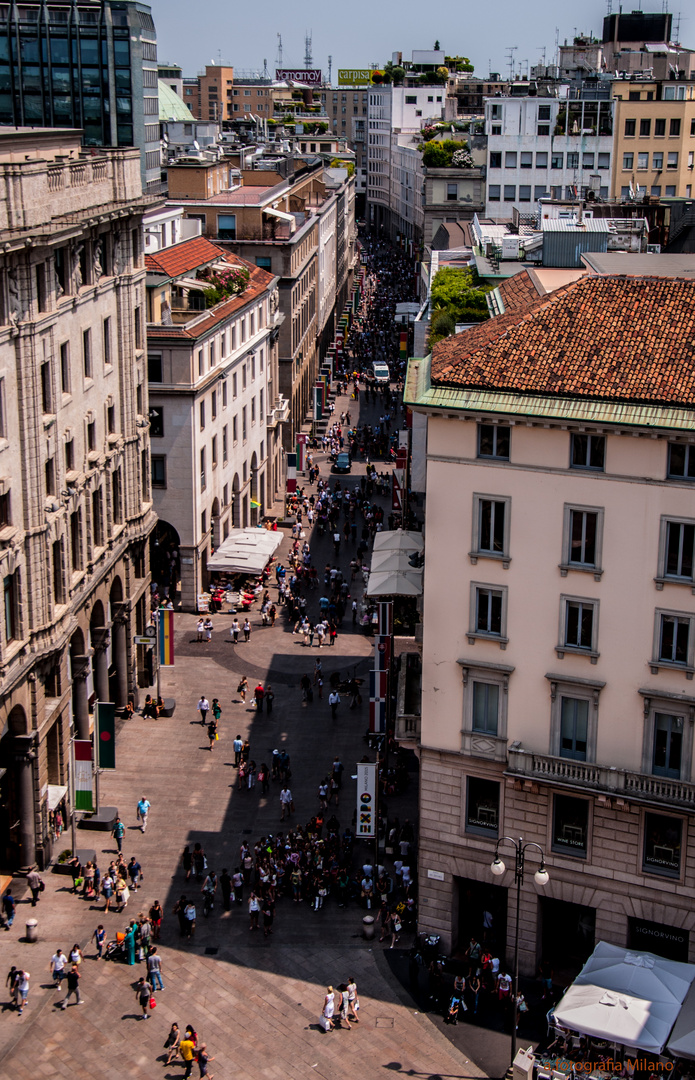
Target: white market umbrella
385,561
398,540
605,1014
395,583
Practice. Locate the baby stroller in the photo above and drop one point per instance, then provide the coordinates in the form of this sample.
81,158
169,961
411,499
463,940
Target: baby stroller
455,1006
115,950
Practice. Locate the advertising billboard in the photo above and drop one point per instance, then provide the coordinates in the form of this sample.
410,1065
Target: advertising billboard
303,76
354,76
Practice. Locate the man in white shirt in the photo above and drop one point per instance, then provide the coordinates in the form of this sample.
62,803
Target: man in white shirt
285,803
203,708
334,702
57,966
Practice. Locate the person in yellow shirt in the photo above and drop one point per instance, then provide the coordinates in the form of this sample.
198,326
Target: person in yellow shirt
188,1053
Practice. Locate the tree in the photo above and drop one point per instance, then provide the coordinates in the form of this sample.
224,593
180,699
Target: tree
398,75
460,294
436,45
439,155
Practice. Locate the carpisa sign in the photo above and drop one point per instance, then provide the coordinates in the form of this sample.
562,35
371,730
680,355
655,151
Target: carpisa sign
354,76
305,76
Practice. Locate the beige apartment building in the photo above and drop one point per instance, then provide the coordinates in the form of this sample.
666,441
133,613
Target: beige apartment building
559,622
75,503
654,125
216,413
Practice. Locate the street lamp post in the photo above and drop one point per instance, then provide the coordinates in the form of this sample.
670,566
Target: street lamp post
541,878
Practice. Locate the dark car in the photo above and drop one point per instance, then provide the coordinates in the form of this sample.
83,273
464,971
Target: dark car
342,463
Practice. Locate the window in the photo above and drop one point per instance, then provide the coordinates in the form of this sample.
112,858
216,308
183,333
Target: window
97,524
213,452
496,129
604,161
485,707
137,323
542,160
587,451
540,191
582,539
678,549
628,161
578,627
509,192
570,825
662,845
670,190
91,437
493,193
46,388
159,472
202,415
574,727
543,129
41,286
657,161
544,112
491,527
261,415
659,127
116,497
203,478
655,190
65,367
524,193
572,160
225,444
87,353
482,807
243,366
226,226
11,599
264,262
645,128
526,159
587,161
673,640
495,159
224,394
212,354
69,455
234,385
411,99
668,745
681,462
5,509
642,161
630,128
672,159
213,404
510,159
57,561
76,541
156,422
493,441
452,192
674,128
154,367
488,615
201,362
50,476
243,424
235,432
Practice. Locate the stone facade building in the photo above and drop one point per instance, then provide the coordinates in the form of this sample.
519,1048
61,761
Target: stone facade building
559,620
75,503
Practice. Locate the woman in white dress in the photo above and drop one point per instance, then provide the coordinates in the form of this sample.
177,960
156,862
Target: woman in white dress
328,1010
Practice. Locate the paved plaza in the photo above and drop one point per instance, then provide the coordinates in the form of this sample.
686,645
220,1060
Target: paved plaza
254,1001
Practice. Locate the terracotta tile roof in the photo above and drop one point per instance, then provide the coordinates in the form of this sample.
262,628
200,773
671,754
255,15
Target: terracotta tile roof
611,338
259,281
184,257
519,291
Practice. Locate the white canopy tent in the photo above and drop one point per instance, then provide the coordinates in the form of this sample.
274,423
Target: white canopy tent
395,583
626,997
383,561
245,551
682,1041
398,540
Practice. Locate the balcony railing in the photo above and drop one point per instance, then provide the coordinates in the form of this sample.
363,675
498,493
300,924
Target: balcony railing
612,781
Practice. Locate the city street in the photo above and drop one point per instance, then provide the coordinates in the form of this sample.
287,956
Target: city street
254,1001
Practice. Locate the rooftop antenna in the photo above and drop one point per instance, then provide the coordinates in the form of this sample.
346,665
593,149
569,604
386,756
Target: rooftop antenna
308,58
609,7
510,60
677,30
279,59
330,69
557,45
265,69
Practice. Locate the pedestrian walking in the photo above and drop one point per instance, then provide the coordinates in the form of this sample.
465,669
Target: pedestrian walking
172,1044
227,889
234,631
188,1054
203,1060
200,630
57,966
216,709
22,990
143,992
254,911
36,885
237,747
203,708
264,776
353,1000
207,627
190,915
242,688
143,811
73,987
134,873
269,698
8,907
156,917
327,1022
154,969
334,702
12,983
118,832
286,803
259,694
98,937
212,733
247,630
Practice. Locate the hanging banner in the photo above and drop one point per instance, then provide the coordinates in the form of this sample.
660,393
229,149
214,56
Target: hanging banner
317,402
366,799
82,757
166,637
291,472
302,440
382,652
396,491
105,729
404,344
385,617
378,689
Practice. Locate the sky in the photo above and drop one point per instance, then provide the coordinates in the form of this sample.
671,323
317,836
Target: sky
359,33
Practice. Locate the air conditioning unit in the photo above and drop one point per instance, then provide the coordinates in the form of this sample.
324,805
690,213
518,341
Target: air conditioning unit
653,249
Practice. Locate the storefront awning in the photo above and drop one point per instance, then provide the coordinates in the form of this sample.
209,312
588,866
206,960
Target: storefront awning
56,792
245,551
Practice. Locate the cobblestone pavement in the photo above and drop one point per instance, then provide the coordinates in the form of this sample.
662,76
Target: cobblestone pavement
255,1002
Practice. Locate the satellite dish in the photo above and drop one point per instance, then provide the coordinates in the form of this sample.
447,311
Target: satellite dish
196,145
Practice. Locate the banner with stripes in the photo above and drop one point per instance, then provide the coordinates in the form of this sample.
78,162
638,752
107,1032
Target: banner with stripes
404,343
382,652
82,757
165,631
378,684
302,440
385,617
291,472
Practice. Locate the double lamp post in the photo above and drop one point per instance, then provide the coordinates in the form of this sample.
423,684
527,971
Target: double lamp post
541,878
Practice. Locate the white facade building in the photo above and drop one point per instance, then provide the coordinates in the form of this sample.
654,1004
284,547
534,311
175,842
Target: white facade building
546,147
328,265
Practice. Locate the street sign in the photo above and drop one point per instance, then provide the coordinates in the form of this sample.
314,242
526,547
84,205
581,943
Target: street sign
140,639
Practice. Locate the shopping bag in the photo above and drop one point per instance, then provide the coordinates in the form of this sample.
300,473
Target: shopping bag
153,1003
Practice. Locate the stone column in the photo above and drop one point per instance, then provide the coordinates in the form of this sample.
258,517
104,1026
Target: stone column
24,755
80,703
101,674
120,659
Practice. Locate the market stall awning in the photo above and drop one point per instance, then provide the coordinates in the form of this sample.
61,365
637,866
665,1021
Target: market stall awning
395,583
245,551
398,540
55,793
682,1041
391,560
628,997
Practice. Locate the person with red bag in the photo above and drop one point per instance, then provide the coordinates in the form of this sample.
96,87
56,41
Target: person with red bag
143,992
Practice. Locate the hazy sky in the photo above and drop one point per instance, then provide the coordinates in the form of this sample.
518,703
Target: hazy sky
357,33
